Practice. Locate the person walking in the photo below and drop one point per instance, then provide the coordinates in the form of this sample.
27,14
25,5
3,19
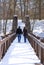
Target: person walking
19,32
25,34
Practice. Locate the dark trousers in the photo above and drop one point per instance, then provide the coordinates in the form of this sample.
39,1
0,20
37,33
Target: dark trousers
24,38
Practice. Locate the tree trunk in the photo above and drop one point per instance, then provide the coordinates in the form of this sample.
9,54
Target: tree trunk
39,9
21,9
14,5
0,26
24,8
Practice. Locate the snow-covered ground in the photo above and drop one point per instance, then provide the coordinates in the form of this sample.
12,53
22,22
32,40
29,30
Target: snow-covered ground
20,54
38,27
8,27
22,25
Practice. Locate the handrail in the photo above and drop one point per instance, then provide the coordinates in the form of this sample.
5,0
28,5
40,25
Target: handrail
38,47
5,39
37,41
5,43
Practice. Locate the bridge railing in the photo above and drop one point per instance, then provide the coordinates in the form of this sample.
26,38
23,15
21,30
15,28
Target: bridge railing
5,43
38,47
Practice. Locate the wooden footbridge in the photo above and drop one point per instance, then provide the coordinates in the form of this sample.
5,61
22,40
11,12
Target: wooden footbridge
14,53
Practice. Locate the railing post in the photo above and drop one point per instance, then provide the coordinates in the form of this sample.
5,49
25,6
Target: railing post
27,22
14,25
5,47
35,47
42,56
37,50
0,52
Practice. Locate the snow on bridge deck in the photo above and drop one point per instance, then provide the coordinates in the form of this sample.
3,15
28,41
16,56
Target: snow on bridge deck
20,54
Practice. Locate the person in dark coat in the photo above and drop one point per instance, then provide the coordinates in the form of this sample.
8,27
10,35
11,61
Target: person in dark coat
19,32
25,34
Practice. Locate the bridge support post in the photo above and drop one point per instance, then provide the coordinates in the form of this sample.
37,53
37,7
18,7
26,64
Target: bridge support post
14,26
27,22
42,56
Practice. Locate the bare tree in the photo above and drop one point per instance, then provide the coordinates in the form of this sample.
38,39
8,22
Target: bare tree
5,18
39,9
0,26
21,8
14,5
24,8
4,29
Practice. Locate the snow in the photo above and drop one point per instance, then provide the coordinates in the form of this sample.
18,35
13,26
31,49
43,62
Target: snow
38,28
41,35
0,38
20,53
8,27
22,25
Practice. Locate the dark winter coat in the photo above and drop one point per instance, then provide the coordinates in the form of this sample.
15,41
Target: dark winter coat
25,32
19,31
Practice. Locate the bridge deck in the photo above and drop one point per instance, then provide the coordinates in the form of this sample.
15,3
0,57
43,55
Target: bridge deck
20,54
